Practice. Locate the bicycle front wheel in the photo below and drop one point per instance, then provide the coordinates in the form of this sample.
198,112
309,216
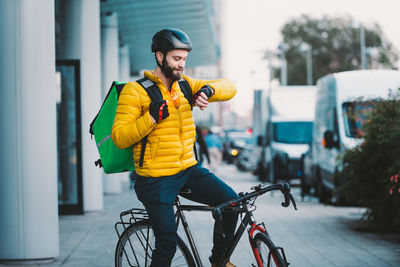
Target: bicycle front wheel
269,254
136,245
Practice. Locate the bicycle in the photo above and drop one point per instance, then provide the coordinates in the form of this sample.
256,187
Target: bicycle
136,242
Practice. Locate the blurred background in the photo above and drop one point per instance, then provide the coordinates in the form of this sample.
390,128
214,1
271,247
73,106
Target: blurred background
300,68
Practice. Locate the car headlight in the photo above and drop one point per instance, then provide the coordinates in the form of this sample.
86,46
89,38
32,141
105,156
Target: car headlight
234,152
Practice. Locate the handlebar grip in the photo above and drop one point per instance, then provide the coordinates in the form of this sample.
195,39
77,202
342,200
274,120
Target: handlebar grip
286,191
288,196
287,201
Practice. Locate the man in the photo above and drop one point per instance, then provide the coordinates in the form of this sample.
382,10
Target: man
168,162
201,146
214,145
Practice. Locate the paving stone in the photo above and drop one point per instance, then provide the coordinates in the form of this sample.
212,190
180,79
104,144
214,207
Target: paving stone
315,235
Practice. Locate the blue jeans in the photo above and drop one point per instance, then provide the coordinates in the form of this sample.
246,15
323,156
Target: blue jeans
158,195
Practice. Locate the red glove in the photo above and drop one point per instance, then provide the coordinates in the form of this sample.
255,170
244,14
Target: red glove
207,90
159,110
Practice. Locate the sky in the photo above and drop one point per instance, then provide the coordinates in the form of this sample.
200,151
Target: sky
252,26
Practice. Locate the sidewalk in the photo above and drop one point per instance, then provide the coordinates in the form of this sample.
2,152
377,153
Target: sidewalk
315,235
90,239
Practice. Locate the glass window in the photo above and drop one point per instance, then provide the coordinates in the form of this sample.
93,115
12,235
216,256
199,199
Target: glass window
355,116
298,132
68,137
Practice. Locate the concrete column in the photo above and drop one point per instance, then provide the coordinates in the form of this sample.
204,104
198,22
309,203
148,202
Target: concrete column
80,39
91,99
110,73
124,64
28,182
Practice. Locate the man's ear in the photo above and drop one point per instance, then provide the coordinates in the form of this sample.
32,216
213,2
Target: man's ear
159,56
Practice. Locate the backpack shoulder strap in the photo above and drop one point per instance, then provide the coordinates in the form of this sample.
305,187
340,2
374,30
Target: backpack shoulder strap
187,91
151,89
155,95
119,87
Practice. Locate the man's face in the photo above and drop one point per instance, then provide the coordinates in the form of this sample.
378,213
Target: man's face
174,63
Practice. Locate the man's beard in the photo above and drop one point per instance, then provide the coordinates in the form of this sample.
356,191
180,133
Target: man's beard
169,71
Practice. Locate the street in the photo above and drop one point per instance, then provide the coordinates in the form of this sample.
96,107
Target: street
315,235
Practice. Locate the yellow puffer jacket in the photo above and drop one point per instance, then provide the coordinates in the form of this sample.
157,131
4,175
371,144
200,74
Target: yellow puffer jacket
169,148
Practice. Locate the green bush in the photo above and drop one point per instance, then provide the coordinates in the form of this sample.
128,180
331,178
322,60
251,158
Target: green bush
372,169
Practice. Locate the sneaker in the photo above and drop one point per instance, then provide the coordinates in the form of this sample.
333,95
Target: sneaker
228,264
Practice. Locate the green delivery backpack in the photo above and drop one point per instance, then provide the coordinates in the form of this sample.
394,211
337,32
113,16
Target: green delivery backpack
113,159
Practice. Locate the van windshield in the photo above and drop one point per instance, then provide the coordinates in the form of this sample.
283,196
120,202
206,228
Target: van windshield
290,132
355,116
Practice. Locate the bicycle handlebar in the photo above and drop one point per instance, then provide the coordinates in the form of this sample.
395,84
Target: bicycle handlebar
258,191
288,196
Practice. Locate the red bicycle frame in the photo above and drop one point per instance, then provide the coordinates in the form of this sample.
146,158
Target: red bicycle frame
253,228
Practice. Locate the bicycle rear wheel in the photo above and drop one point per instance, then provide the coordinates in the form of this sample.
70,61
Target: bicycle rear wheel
269,254
136,244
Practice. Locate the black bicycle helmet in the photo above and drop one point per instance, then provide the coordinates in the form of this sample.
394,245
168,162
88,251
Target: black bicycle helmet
170,39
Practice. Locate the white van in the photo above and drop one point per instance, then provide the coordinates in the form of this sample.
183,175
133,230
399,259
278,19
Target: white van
288,131
343,100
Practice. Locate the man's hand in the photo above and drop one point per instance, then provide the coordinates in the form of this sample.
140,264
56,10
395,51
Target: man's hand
159,110
200,98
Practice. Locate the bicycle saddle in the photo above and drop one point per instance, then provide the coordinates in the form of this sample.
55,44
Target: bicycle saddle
185,191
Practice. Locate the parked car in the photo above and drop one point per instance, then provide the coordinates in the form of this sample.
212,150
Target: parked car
234,142
248,159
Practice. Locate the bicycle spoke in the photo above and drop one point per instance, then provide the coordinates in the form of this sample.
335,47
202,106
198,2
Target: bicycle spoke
135,254
179,258
137,245
133,251
139,248
136,249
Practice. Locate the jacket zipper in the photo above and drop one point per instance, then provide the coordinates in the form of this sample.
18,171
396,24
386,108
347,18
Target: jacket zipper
180,122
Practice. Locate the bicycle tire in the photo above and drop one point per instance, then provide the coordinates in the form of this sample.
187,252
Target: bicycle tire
269,254
133,249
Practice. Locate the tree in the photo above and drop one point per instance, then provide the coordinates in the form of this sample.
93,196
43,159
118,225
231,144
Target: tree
335,46
372,170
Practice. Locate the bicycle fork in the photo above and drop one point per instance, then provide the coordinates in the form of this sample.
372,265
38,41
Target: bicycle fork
261,228
254,227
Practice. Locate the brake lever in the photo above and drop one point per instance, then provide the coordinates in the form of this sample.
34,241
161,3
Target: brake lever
293,201
257,187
